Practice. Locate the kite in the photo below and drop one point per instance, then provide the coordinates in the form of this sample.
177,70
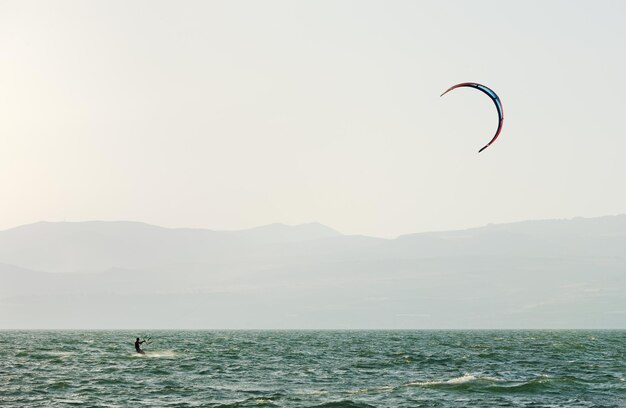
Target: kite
495,100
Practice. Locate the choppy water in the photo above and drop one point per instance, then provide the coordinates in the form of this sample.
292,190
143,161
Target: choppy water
315,369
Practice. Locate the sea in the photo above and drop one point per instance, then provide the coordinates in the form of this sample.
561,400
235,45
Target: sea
313,369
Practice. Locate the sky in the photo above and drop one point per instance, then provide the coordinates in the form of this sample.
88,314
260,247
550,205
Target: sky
233,114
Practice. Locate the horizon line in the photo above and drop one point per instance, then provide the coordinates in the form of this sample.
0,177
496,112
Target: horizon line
283,224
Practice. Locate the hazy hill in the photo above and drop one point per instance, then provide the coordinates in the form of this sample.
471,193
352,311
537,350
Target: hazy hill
553,273
96,245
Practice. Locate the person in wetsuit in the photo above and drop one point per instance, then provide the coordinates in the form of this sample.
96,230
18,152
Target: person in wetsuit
138,345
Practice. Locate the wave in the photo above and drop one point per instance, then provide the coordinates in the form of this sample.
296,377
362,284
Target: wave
260,402
482,382
497,385
156,354
343,404
461,381
59,353
464,379
373,390
531,386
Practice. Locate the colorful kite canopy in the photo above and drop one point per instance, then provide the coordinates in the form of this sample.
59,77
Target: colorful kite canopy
495,100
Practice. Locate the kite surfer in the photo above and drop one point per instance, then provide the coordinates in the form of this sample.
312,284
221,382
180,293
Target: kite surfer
138,346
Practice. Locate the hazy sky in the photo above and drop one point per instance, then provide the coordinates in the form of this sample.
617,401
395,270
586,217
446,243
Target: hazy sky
233,114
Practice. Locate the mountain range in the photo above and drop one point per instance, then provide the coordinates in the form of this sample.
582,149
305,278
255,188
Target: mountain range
130,275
